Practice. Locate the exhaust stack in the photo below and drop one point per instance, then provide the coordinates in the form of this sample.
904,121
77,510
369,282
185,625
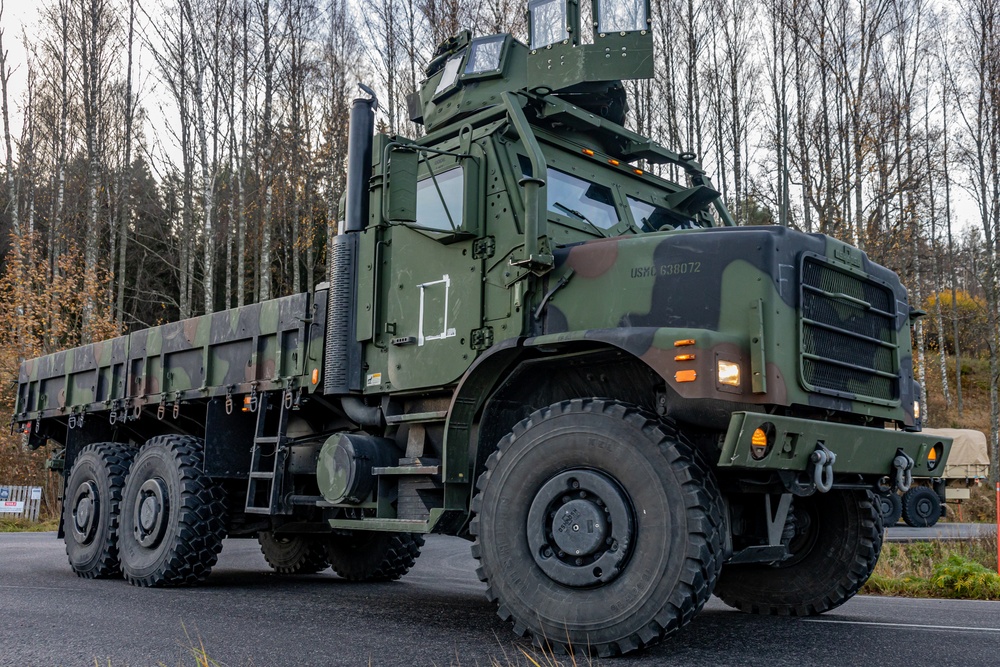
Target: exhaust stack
342,363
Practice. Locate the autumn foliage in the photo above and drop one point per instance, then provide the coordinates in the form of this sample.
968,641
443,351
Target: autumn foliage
41,311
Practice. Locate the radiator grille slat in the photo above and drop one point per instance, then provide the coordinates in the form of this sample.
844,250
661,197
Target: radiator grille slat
848,333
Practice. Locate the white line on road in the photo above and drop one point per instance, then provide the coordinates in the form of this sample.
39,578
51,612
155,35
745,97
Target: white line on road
903,625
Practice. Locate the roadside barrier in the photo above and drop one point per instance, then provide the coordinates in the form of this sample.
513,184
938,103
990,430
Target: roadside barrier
20,501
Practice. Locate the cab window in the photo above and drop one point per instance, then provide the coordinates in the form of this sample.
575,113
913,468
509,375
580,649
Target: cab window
441,212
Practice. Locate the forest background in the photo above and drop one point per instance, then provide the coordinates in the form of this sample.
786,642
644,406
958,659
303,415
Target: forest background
174,157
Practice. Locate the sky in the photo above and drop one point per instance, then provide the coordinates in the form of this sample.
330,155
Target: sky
17,14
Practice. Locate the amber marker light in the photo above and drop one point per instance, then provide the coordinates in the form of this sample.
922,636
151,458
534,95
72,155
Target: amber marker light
315,376
684,343
587,151
759,443
686,376
246,404
933,456
684,357
613,162
728,373
640,172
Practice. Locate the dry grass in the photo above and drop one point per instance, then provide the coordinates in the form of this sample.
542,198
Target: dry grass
19,525
965,569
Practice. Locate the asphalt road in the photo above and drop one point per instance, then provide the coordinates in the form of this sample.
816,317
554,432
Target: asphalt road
941,531
437,615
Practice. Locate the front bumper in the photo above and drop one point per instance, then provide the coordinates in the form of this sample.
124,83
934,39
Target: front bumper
859,449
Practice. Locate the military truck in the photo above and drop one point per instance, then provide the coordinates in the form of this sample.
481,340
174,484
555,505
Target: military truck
531,340
924,503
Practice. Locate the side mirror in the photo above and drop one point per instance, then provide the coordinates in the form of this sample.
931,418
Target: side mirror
401,186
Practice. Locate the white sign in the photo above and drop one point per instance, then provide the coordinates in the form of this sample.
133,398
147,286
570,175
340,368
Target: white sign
36,493
12,506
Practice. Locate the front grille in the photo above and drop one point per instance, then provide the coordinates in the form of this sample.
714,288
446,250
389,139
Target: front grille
848,330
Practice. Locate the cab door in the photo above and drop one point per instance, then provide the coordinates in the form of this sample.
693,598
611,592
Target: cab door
433,282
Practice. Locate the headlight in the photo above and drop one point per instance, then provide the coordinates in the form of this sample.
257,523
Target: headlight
916,409
728,373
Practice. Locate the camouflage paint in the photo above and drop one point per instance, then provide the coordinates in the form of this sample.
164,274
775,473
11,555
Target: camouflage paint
274,345
717,287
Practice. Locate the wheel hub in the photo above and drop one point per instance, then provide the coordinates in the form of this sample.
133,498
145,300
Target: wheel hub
924,508
580,528
151,509
86,506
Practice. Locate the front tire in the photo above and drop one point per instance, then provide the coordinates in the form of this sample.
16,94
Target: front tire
173,515
598,528
835,548
91,509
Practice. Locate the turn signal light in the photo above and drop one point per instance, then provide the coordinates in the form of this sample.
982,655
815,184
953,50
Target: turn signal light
682,343
315,376
934,456
246,404
613,162
587,151
684,357
759,443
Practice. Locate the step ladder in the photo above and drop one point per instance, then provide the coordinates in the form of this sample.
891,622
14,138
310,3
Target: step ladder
267,463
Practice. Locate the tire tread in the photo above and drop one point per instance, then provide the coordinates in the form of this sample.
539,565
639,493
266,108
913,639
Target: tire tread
703,560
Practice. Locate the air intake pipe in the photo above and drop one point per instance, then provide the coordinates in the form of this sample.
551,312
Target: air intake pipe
342,362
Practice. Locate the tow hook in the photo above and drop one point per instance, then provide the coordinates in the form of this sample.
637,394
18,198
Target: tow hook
902,466
823,460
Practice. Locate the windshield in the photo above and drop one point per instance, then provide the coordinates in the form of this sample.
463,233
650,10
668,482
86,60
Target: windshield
650,217
573,197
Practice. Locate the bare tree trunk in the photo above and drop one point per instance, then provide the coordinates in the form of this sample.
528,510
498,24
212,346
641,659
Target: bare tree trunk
267,176
126,180
199,57
241,210
62,148
951,249
5,74
91,16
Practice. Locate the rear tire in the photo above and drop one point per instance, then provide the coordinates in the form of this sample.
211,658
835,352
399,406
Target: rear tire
293,554
91,509
598,528
921,507
173,517
373,555
835,548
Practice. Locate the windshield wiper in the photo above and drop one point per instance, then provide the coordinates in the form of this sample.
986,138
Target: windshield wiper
580,216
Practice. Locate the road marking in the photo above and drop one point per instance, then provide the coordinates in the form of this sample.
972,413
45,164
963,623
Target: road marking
904,625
